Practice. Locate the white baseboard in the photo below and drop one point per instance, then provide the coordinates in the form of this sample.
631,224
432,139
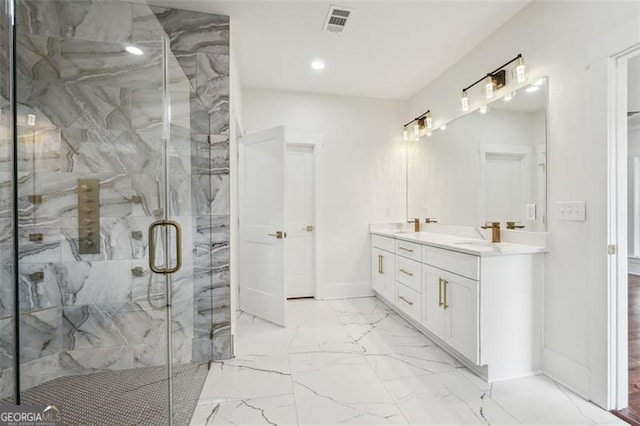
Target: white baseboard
344,290
634,266
568,373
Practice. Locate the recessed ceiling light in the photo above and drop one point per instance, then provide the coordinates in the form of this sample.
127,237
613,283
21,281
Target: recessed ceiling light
134,50
317,64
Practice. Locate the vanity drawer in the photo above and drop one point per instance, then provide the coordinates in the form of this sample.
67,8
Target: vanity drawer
383,243
408,301
408,272
462,264
407,249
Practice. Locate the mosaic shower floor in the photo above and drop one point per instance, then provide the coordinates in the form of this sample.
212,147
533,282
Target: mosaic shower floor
126,397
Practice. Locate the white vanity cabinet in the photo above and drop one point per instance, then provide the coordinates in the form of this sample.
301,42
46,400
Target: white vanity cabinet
451,299
481,305
383,266
450,310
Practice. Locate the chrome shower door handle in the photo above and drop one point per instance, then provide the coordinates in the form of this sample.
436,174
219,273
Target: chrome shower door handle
152,247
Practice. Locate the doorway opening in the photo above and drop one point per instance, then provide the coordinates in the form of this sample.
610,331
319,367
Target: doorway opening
630,65
277,182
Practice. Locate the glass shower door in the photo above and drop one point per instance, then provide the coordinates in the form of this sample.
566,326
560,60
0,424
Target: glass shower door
101,277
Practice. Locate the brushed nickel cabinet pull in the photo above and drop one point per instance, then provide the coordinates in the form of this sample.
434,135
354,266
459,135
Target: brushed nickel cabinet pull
440,302
405,300
380,271
405,249
405,272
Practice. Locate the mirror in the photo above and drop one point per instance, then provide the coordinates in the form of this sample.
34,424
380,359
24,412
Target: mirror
484,167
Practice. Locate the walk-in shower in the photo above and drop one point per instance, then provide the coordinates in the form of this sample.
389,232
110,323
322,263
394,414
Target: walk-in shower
114,207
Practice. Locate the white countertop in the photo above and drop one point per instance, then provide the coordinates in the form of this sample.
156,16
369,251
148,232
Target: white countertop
476,247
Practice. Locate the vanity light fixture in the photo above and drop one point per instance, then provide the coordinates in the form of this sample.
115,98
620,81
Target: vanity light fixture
465,101
134,50
429,134
420,123
443,127
519,73
497,79
484,109
489,87
509,96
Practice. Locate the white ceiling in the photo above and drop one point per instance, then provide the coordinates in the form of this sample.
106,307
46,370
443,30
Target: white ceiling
390,49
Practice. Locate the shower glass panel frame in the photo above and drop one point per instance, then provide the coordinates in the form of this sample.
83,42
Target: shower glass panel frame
102,155
9,380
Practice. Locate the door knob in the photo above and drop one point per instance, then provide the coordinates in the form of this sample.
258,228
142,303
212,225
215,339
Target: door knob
279,235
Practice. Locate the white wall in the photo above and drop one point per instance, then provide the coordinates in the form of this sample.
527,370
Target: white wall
553,37
362,177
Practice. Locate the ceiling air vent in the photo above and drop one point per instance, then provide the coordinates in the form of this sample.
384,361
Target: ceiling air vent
337,19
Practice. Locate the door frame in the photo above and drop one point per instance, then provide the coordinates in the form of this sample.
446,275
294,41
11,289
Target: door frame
315,142
607,64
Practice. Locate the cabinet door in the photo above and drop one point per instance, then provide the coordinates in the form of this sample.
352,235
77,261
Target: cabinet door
462,319
382,272
433,314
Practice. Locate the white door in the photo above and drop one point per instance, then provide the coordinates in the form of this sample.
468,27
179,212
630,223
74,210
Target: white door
261,185
300,222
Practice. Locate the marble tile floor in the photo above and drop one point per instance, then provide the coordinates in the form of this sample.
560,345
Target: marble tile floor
355,361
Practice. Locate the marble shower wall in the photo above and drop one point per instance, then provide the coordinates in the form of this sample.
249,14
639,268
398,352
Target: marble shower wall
98,115
200,44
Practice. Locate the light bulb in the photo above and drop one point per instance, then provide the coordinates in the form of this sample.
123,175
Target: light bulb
134,50
429,121
317,64
465,101
429,134
484,109
489,88
416,130
405,135
520,71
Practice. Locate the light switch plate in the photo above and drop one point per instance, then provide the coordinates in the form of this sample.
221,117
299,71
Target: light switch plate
573,211
529,212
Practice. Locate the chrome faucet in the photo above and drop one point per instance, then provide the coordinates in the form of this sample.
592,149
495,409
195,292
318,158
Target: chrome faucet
416,224
495,231
512,225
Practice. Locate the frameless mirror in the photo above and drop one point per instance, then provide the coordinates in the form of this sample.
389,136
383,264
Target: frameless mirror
485,166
